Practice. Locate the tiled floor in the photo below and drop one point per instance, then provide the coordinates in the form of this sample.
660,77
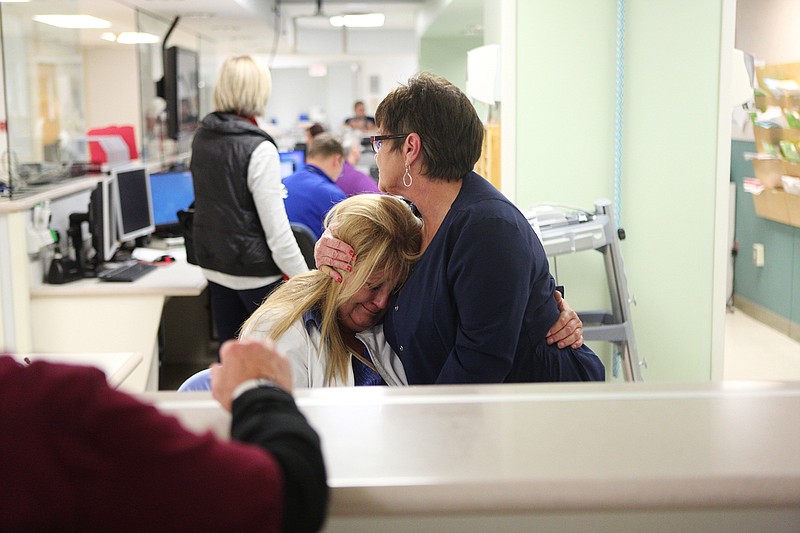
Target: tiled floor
754,351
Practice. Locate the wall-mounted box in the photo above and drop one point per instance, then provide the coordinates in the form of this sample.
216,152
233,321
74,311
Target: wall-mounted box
793,206
778,206
768,171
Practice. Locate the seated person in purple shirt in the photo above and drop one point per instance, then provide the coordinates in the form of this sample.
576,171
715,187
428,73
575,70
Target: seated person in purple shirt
353,181
312,191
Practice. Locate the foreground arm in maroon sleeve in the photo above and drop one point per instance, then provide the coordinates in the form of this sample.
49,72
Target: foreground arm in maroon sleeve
98,459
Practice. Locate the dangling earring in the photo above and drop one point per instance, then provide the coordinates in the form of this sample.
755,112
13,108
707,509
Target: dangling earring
410,179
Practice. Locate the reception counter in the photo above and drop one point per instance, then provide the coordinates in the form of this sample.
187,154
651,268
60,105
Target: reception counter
556,457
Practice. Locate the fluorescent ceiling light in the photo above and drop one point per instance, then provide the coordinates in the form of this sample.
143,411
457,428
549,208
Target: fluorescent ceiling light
136,37
130,37
73,21
364,20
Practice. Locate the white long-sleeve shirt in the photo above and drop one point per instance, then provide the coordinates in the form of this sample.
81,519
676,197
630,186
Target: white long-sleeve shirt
264,182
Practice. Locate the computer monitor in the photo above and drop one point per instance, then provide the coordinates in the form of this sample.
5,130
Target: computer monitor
134,203
171,192
287,168
296,157
103,221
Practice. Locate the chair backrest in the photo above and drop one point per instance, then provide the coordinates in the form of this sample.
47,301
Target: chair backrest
306,240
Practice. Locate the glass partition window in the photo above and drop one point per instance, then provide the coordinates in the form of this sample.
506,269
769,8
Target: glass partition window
44,103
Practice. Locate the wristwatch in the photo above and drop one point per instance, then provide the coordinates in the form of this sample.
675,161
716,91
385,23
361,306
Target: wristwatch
256,383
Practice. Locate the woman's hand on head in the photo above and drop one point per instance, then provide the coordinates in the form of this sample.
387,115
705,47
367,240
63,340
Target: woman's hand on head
331,254
568,329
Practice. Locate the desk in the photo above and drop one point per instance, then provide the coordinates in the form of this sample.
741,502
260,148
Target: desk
87,315
96,316
116,366
15,266
551,457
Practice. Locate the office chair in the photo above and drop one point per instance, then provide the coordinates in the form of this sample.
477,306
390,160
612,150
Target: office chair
198,381
306,240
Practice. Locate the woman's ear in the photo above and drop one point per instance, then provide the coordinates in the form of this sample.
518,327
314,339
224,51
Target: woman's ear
412,148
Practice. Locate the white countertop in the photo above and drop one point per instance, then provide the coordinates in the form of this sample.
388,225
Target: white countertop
48,192
116,366
172,279
549,447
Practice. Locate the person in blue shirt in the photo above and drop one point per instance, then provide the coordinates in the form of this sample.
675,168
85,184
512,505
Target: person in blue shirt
312,191
480,305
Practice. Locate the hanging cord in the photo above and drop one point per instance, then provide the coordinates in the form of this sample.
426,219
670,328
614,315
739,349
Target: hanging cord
620,83
276,31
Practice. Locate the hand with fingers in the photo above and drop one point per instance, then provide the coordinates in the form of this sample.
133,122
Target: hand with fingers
332,255
247,359
568,329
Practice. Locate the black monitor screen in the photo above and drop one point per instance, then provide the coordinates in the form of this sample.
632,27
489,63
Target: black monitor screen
171,192
103,221
135,209
182,91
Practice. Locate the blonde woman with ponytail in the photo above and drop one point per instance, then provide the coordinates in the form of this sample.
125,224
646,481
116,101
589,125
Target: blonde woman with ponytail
330,331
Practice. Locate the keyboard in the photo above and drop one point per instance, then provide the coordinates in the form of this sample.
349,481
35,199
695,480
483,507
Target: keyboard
126,272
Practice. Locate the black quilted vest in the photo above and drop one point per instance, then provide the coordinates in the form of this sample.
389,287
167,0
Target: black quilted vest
227,231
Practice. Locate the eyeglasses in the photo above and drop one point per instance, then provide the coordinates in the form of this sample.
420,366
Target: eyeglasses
377,140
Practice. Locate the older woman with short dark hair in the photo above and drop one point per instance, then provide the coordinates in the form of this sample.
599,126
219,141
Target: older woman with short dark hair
479,306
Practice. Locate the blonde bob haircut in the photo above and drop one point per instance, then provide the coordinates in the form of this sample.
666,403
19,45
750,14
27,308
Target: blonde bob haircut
243,87
385,235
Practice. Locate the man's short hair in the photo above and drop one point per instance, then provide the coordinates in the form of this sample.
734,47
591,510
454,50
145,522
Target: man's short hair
324,145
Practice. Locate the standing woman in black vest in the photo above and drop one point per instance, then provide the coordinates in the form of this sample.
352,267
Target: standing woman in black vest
242,236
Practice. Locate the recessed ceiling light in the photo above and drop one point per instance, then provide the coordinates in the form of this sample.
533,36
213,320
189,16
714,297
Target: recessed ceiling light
137,37
73,21
363,20
130,37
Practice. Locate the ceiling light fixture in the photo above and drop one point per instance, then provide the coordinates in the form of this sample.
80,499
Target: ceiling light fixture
362,20
78,22
130,37
137,37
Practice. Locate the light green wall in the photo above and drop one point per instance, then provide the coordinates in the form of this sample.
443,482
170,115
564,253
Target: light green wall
447,57
564,154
